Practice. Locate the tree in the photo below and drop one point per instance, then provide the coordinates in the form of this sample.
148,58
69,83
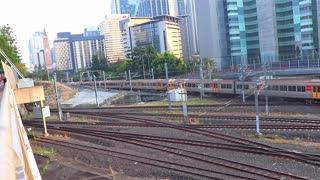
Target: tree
134,57
99,63
211,61
9,47
119,67
176,66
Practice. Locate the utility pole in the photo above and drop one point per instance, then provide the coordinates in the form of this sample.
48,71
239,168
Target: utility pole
67,76
242,69
57,97
152,74
95,90
144,74
104,79
201,76
130,80
184,103
43,119
149,67
266,88
125,75
256,106
168,90
209,71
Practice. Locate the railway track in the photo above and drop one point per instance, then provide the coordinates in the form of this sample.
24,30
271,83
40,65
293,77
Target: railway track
202,116
236,166
310,159
222,126
207,106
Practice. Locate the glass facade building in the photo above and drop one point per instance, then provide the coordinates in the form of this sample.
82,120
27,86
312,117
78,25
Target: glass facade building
275,30
152,8
39,50
161,32
124,7
243,31
184,9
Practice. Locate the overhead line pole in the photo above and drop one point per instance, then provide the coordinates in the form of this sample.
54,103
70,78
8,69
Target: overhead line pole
167,78
57,97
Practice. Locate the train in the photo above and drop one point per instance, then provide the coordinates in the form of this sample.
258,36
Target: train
308,89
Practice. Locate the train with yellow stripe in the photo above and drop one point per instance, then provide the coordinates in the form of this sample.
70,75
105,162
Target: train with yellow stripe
286,88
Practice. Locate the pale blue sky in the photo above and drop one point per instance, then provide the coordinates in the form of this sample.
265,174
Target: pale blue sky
29,16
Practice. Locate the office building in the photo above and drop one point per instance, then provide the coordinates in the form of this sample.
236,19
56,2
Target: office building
124,7
125,28
75,51
273,31
212,31
39,50
110,29
185,10
161,32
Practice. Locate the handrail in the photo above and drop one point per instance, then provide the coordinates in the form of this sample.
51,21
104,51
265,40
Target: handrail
16,157
13,66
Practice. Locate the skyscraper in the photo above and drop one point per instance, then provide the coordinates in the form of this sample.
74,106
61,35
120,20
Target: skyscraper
39,50
211,31
279,30
46,49
161,32
110,29
185,9
124,7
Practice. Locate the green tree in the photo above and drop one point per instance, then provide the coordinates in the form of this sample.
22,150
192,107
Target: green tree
141,57
119,67
211,61
99,63
95,63
176,66
134,56
9,47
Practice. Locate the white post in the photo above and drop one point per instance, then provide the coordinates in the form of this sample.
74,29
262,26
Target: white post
256,106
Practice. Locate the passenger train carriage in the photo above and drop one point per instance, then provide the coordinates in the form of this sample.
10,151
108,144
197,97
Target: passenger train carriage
287,88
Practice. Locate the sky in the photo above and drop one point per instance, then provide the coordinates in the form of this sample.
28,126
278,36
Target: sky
29,16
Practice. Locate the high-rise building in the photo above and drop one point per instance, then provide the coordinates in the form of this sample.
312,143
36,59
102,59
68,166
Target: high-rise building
47,50
279,30
124,7
185,9
110,29
39,50
75,51
211,30
161,32
152,8
35,45
62,51
125,28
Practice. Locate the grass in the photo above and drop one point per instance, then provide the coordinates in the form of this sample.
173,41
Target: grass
48,152
63,136
193,101
35,134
